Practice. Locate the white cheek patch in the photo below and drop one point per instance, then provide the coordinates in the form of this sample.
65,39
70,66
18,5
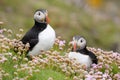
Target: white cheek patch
81,44
38,17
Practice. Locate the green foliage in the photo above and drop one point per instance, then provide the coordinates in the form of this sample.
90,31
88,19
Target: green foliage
53,64
115,68
46,73
43,74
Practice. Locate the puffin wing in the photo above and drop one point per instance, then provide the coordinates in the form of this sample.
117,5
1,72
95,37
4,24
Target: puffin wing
27,37
93,57
30,38
32,43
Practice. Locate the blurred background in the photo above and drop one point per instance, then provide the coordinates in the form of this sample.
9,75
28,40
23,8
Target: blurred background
97,20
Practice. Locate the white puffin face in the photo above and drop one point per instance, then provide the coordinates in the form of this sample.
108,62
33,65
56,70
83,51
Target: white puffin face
79,41
39,16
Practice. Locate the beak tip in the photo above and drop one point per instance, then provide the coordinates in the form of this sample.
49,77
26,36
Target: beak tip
47,19
74,48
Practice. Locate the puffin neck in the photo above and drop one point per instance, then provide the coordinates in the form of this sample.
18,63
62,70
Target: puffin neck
40,25
83,51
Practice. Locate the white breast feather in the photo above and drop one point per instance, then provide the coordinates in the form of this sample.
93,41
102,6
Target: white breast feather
46,41
81,58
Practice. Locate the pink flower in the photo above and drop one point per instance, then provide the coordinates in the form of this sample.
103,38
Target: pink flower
35,60
117,76
94,66
89,77
62,43
100,67
100,73
105,75
1,31
3,59
114,55
107,66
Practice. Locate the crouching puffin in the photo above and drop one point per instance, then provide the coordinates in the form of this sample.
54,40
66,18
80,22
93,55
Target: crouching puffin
41,36
80,52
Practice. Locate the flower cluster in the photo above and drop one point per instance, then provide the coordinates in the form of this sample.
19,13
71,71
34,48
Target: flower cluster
60,44
7,44
12,54
108,67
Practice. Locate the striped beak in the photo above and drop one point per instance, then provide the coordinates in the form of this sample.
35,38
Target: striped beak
74,46
47,19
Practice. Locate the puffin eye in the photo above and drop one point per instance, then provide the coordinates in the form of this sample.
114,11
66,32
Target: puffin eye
81,41
39,13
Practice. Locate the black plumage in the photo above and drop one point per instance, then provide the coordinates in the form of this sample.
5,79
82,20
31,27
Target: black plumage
41,36
31,36
87,52
81,48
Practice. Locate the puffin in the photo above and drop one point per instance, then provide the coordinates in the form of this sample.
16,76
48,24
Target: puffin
41,36
81,53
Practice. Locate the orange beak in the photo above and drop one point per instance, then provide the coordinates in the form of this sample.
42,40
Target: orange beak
74,46
47,19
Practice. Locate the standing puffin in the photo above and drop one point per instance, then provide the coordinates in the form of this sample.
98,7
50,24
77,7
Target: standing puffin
41,36
80,52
